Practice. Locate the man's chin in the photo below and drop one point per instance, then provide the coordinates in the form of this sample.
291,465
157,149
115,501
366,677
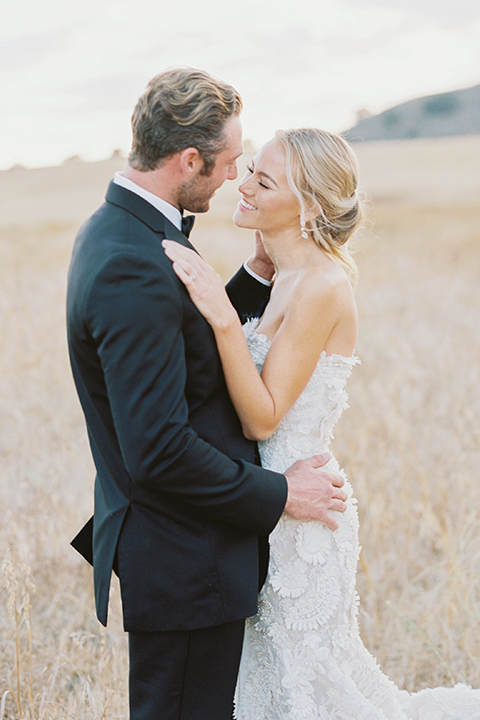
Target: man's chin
198,209
193,202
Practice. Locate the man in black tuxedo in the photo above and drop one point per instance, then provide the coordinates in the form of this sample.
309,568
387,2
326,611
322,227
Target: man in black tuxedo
181,504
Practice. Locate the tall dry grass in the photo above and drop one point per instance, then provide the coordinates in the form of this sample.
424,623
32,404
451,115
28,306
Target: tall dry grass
56,661
410,441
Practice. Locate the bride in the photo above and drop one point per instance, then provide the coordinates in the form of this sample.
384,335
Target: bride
303,658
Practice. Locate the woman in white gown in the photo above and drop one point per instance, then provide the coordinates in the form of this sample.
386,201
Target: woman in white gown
286,372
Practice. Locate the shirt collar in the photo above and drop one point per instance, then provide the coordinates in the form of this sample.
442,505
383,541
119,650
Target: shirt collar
171,213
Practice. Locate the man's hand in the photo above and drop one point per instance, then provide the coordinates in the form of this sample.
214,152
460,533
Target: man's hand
260,263
313,491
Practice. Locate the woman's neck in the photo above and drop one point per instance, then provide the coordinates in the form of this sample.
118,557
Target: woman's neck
290,252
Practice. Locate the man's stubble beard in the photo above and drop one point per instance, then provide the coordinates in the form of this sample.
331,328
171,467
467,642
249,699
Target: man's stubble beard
194,195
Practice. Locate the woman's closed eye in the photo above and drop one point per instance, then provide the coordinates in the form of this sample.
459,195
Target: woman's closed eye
262,184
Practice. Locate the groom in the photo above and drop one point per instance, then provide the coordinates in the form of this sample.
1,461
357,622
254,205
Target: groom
181,505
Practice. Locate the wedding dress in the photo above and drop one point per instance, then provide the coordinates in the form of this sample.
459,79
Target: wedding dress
303,657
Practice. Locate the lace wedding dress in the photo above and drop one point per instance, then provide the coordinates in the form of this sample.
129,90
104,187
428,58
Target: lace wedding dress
303,658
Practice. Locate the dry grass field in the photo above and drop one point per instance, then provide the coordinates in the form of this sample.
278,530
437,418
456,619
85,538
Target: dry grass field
410,441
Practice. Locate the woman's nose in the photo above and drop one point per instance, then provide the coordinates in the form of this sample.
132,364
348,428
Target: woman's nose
245,185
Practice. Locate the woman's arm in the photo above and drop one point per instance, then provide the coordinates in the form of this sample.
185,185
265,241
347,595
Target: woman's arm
262,401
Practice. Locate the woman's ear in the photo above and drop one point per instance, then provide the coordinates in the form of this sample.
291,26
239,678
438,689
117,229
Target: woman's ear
313,211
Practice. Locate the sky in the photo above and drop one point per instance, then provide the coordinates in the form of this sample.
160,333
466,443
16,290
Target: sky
71,71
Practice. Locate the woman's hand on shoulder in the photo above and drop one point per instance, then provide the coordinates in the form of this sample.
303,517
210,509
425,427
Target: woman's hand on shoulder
203,283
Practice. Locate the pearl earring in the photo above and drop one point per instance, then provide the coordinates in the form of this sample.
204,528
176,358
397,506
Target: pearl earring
304,232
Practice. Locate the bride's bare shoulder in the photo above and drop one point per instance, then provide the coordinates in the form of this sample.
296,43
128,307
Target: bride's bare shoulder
323,310
323,284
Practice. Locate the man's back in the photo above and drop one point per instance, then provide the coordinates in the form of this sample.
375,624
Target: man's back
151,385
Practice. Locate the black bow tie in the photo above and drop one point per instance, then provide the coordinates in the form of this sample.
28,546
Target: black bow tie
187,224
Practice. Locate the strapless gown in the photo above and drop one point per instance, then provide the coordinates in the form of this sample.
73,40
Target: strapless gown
303,658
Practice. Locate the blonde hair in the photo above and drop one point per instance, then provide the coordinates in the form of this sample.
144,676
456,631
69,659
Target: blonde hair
322,172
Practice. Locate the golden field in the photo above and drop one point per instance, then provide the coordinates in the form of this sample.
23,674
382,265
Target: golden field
410,441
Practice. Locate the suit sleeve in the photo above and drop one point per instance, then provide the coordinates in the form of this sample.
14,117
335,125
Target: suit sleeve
248,296
135,319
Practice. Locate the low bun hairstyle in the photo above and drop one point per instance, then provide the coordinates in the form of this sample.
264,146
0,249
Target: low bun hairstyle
322,172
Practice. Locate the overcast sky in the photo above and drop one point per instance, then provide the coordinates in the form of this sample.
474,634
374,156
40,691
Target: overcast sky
71,70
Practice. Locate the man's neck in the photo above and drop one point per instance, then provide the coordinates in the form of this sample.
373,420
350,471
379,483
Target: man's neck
159,182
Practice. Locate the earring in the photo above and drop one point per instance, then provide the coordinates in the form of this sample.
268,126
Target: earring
304,232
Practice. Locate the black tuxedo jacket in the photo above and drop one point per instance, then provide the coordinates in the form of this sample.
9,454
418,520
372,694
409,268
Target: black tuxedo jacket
179,501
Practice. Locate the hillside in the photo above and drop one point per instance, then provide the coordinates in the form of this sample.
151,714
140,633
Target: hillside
410,441
452,113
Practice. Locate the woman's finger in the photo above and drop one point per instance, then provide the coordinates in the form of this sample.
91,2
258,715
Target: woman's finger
181,263
181,251
190,261
185,276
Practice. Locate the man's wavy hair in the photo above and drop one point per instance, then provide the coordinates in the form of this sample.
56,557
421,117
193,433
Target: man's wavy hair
181,107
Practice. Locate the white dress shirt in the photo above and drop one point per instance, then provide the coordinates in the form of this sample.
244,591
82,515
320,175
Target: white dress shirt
257,277
172,213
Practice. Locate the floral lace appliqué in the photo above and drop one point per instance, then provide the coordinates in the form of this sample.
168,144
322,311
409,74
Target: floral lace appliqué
303,657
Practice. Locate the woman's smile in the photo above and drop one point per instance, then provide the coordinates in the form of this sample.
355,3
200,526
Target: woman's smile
245,205
267,202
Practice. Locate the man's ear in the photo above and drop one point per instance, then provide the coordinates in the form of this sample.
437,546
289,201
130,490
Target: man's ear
191,162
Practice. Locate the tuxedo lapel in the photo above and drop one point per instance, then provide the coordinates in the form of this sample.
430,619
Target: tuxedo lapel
145,212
